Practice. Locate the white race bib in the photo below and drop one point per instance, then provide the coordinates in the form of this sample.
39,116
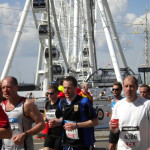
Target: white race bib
129,139
14,123
50,114
73,134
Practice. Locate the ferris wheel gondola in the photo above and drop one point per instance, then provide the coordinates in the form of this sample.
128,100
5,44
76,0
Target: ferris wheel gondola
39,5
85,64
55,53
43,31
58,69
85,52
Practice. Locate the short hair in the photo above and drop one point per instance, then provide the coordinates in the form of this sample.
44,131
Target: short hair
13,80
53,87
145,85
72,79
118,84
132,78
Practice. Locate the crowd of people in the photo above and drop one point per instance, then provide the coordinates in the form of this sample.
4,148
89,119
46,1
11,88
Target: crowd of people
70,117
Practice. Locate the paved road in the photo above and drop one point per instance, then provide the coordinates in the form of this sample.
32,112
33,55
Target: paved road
100,144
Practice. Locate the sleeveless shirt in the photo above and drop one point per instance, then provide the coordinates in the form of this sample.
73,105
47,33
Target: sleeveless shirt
50,114
19,123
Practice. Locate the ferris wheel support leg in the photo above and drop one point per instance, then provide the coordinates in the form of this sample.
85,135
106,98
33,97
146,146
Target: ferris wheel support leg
16,39
114,33
109,42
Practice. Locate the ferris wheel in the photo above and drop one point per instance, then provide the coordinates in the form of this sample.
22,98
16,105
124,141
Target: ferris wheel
72,41
66,31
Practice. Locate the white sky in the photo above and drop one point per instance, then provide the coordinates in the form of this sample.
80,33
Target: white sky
128,16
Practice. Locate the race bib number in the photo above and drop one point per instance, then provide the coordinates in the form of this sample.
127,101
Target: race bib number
73,134
14,124
130,139
51,114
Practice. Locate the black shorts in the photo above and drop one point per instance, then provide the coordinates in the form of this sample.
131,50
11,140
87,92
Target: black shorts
78,148
114,137
53,142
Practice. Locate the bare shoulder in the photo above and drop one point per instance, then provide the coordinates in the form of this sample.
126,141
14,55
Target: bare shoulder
29,106
28,103
31,110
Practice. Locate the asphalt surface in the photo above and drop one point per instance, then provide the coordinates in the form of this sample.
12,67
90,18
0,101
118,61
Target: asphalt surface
101,143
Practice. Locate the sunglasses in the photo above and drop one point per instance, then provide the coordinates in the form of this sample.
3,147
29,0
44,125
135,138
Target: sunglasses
50,93
115,89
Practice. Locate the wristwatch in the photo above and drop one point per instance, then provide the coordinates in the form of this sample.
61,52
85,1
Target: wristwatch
26,134
77,126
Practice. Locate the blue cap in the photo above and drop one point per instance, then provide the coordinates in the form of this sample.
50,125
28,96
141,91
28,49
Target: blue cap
54,82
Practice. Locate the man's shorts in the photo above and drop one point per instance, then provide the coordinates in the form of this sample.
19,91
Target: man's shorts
53,142
114,137
78,148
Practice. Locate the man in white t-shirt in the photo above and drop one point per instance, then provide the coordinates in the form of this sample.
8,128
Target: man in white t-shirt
133,113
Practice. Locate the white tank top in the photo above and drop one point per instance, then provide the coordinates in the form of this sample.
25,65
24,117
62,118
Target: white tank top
19,123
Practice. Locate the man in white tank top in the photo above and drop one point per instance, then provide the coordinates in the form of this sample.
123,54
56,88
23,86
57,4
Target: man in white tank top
133,113
21,113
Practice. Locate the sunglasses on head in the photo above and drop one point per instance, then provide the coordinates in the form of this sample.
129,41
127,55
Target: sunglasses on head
51,93
115,89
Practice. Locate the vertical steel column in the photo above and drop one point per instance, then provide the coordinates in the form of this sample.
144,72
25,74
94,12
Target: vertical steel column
16,39
109,42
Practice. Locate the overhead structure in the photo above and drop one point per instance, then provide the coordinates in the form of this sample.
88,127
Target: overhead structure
66,31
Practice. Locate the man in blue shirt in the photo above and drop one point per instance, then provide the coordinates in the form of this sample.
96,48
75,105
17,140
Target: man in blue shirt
77,116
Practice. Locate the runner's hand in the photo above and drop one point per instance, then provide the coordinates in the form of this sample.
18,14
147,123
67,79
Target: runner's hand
19,139
70,126
52,123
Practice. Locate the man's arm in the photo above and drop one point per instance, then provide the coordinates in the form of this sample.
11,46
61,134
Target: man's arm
86,124
31,111
55,122
89,123
5,133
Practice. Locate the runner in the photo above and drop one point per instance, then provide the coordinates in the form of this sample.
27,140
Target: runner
116,90
53,138
21,113
78,118
133,113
